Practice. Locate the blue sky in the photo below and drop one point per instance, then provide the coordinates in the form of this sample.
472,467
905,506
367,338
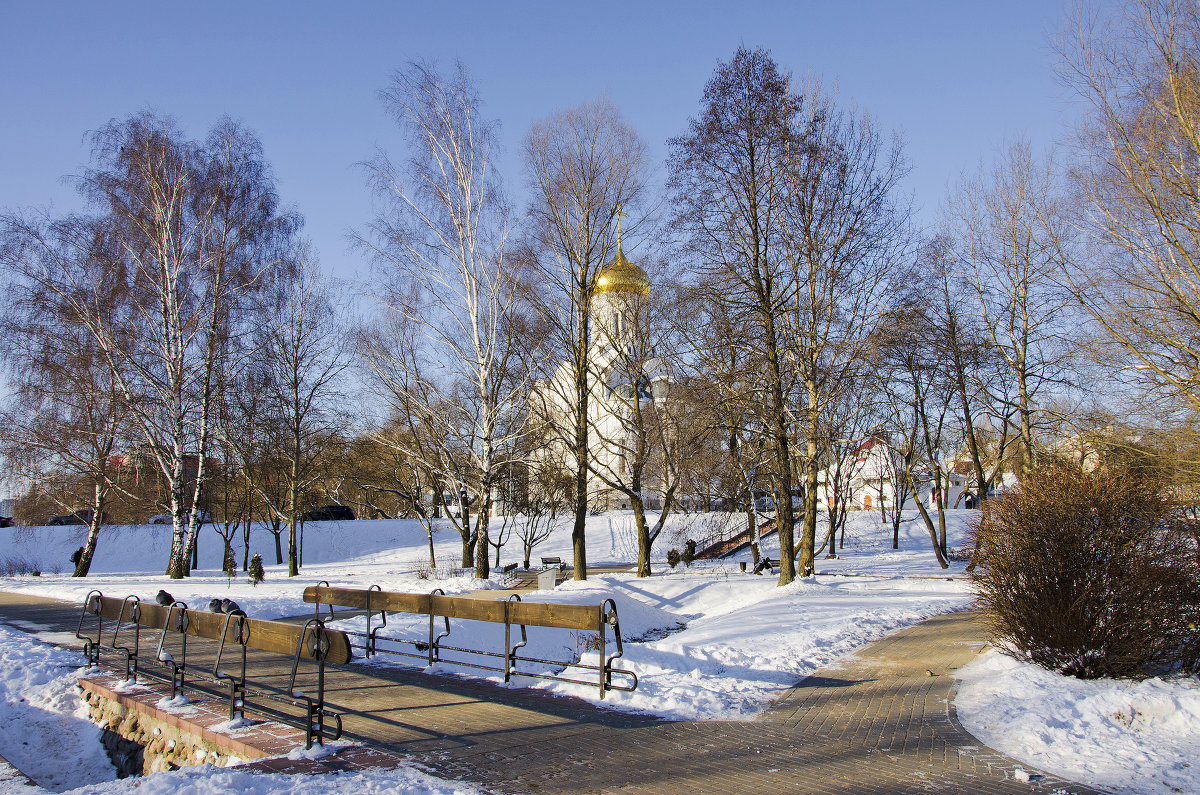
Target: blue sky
958,79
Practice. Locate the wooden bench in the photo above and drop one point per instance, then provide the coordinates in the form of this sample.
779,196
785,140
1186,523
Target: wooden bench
514,614
166,657
508,568
554,561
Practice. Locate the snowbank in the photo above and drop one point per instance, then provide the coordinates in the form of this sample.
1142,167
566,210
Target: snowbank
47,732
1134,737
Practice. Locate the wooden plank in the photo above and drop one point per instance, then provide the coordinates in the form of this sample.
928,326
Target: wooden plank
395,602
534,614
339,597
273,636
548,614
390,601
468,609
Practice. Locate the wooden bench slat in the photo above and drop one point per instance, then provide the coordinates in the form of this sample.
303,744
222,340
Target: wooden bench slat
546,614
356,598
343,597
469,609
273,636
534,614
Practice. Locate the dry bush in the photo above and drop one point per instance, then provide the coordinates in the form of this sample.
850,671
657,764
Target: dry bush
16,566
1091,574
427,572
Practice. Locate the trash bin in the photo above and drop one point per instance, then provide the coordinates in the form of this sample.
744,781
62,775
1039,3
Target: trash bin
547,579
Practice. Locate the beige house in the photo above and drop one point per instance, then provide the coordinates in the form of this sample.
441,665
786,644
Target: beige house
869,477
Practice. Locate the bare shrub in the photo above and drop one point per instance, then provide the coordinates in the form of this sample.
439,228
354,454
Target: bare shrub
425,572
15,566
1091,574
585,642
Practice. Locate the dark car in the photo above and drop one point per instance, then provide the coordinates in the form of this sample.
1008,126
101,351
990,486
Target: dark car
329,513
79,517
7,521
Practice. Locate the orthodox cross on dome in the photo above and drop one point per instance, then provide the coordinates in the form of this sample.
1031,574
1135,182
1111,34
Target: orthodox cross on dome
620,213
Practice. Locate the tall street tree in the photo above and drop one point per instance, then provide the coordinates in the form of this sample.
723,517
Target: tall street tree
729,184
844,231
190,231
583,164
300,350
1011,241
64,417
1137,66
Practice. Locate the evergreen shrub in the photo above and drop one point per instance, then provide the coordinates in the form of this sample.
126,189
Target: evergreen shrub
255,571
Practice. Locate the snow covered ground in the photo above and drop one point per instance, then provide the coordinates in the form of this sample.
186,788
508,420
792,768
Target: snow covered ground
1131,737
706,642
716,642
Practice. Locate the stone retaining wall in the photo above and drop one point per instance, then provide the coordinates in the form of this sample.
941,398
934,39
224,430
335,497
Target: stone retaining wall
139,743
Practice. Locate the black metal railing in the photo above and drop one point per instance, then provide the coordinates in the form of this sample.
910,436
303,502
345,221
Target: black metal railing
228,679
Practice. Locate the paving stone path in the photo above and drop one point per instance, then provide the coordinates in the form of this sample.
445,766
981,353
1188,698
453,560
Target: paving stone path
879,721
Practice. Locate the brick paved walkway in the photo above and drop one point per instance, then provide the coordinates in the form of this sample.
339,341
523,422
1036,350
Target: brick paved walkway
875,722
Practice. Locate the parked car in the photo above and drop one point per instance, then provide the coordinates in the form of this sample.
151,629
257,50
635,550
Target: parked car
7,521
329,513
165,518
83,516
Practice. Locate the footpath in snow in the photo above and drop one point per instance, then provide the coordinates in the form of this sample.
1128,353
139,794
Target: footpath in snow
706,642
1130,737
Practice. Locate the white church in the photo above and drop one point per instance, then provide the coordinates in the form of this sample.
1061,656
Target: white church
624,377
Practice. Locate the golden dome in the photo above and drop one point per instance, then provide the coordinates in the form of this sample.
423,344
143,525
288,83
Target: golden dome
621,276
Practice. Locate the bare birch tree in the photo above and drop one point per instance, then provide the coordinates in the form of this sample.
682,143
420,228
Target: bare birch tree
64,417
189,232
442,245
